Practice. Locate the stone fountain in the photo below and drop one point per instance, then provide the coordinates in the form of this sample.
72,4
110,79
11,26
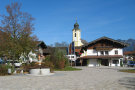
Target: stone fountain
40,71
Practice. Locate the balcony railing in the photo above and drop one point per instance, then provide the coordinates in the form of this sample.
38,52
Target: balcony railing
103,48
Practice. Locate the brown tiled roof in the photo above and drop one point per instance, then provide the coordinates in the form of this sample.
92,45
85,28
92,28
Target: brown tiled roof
106,56
106,38
84,41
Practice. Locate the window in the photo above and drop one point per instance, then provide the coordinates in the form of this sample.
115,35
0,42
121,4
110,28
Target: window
106,52
75,34
115,62
72,56
116,51
102,53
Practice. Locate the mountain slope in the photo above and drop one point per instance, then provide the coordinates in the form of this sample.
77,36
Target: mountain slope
131,43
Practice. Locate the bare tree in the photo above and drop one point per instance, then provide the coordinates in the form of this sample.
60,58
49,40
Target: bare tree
18,26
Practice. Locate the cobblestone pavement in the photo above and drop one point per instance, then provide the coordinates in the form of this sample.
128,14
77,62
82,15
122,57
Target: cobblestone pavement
89,78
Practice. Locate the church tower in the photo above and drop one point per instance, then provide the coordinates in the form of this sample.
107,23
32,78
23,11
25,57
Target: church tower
76,35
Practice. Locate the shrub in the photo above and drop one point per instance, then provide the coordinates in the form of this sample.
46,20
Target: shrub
57,59
25,67
61,64
28,66
4,70
47,64
121,64
33,64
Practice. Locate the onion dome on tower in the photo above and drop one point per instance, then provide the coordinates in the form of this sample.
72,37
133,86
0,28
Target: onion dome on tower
76,25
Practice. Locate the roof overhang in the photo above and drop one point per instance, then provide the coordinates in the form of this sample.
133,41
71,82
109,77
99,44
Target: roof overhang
106,38
122,44
101,57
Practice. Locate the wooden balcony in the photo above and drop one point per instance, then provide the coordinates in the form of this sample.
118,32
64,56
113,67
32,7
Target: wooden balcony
103,48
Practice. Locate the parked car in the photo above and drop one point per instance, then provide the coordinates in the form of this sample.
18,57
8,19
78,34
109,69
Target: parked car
16,63
2,61
131,63
72,57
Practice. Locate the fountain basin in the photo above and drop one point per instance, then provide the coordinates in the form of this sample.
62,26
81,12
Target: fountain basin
42,71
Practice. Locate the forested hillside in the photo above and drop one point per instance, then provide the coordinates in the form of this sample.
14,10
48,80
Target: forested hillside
131,43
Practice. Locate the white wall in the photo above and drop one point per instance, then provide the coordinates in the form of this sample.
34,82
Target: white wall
77,39
78,35
112,52
92,52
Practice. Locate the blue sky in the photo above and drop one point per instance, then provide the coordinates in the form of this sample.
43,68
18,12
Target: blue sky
54,19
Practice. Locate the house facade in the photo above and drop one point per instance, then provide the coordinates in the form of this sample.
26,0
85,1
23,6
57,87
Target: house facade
103,51
129,55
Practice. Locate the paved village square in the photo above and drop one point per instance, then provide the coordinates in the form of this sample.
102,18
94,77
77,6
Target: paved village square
94,78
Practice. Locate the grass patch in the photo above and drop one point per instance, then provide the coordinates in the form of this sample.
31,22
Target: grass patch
128,70
68,69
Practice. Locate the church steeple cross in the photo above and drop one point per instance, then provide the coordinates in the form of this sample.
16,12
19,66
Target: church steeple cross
76,19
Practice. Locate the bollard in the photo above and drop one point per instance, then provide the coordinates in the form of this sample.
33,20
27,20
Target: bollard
9,71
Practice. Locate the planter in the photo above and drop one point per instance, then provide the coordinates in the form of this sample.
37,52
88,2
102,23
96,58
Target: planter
43,71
